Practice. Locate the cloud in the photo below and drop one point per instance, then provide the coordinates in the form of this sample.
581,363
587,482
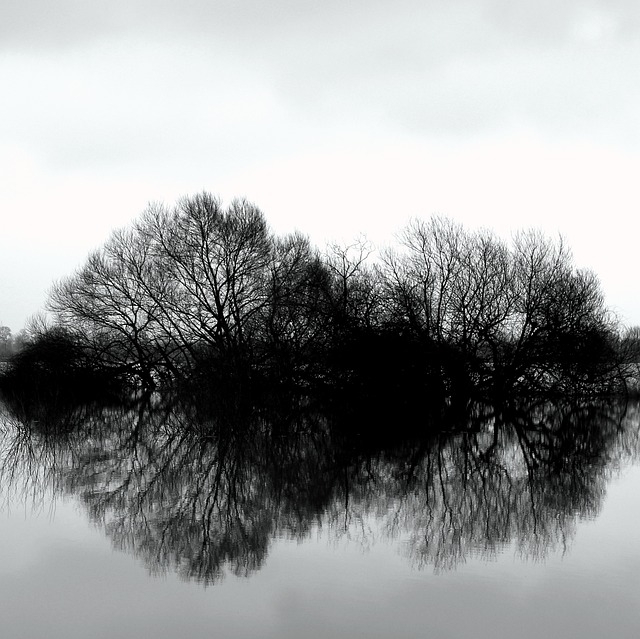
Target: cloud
39,24
125,76
547,21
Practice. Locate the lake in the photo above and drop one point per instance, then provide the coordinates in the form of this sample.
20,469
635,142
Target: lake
145,521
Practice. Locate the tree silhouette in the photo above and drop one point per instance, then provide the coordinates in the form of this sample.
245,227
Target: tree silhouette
205,293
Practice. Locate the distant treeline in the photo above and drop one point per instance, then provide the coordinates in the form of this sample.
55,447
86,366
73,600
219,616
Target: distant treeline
11,344
206,296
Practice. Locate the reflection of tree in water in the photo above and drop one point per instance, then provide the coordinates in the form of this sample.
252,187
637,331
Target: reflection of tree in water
34,452
518,478
200,497
205,496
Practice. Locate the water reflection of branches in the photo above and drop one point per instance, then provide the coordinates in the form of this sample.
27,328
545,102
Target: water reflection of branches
206,496
30,463
195,497
523,477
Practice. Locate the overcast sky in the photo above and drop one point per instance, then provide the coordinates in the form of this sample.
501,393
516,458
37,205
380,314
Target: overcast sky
335,118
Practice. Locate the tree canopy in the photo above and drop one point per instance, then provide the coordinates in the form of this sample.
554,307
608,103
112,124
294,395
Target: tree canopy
199,291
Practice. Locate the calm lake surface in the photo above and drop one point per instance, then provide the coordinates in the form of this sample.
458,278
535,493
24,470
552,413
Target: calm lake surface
125,524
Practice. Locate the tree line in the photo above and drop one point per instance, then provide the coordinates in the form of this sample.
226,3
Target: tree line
207,294
11,344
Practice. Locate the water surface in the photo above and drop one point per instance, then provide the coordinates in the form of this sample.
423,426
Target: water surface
128,523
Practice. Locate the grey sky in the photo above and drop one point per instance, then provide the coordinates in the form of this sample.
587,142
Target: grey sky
335,118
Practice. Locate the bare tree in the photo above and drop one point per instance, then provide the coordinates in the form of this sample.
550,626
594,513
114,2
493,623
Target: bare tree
198,283
5,342
216,261
107,306
295,319
181,281
354,295
510,316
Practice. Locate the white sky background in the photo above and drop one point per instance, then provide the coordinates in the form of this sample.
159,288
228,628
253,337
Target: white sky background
335,118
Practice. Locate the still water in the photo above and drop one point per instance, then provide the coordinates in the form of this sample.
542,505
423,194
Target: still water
142,522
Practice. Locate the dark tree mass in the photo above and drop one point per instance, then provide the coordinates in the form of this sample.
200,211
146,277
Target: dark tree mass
205,386
204,296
